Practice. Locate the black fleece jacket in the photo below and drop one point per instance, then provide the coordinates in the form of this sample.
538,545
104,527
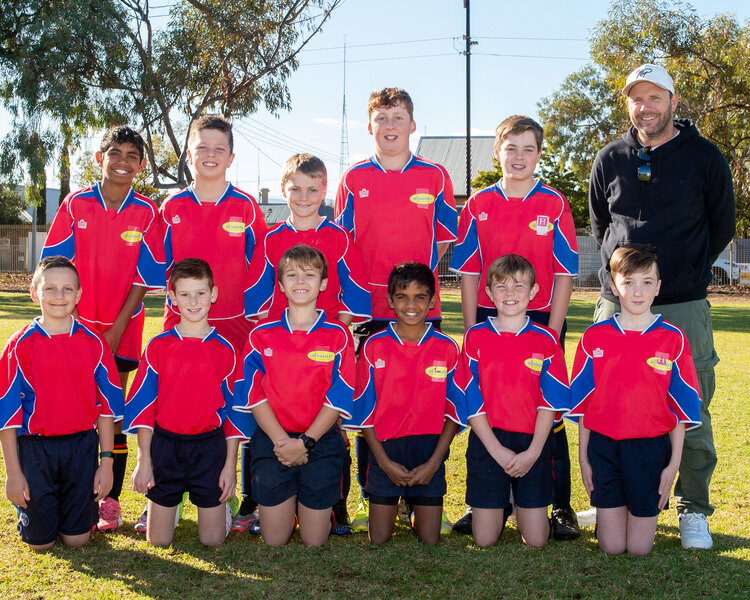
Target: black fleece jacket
686,212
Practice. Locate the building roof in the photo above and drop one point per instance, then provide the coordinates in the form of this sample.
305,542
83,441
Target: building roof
450,151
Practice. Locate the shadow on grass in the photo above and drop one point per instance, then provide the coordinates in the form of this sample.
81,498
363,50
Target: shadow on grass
351,567
731,318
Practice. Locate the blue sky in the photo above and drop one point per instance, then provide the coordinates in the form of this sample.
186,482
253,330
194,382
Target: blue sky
524,51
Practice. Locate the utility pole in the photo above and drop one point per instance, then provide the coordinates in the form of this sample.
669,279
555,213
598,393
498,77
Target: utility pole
467,53
344,152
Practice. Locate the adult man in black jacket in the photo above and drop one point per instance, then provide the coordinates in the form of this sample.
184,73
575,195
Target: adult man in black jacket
664,185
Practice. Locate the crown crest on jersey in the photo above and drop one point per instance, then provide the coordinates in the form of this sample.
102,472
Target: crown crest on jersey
364,193
268,351
482,216
598,353
82,224
380,363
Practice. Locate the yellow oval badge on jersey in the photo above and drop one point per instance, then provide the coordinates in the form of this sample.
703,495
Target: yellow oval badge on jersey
422,198
132,237
536,226
534,364
659,364
321,356
233,226
437,372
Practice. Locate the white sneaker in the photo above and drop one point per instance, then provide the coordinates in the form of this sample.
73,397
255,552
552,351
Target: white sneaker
694,531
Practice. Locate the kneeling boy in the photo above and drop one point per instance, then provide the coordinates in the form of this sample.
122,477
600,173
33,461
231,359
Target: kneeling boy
516,381
298,380
635,390
180,404
58,381
409,407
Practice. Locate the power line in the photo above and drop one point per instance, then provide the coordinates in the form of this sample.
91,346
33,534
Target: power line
295,141
362,60
587,58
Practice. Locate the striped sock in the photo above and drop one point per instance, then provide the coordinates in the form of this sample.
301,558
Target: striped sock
119,464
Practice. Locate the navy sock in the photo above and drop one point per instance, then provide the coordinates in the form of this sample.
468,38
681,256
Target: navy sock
119,465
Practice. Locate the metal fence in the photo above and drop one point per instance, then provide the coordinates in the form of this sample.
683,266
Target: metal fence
732,266
20,251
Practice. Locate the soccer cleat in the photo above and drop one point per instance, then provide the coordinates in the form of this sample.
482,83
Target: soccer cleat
228,520
586,518
140,525
340,520
234,505
463,525
245,522
565,524
445,525
359,524
694,532
110,515
404,513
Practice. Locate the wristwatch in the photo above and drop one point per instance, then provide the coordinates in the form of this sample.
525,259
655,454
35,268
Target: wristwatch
308,441
107,454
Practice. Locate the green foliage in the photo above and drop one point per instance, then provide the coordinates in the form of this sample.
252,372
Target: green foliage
556,174
90,64
11,204
709,60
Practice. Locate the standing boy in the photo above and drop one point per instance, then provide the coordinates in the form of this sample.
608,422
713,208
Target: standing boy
398,207
180,403
635,389
516,380
113,236
50,405
409,406
213,220
298,380
346,296
520,214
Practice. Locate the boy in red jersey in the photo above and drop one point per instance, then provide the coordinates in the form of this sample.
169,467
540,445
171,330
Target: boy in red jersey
213,220
635,390
113,236
180,404
298,380
522,215
515,382
50,406
398,207
409,407
346,296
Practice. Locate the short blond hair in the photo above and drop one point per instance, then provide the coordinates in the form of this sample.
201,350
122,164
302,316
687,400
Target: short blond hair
307,164
508,266
53,262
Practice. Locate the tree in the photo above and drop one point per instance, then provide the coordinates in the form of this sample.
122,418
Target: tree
709,60
11,205
212,55
555,174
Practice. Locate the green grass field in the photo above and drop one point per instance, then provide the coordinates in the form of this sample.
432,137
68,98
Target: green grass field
122,565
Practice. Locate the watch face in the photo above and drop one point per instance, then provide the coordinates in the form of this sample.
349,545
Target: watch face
308,442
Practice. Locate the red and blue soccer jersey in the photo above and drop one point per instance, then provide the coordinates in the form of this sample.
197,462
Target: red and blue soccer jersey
347,290
112,251
297,372
57,384
510,376
539,227
408,388
396,216
184,385
224,234
634,384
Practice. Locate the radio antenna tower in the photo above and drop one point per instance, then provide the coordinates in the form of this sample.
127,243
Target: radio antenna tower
344,152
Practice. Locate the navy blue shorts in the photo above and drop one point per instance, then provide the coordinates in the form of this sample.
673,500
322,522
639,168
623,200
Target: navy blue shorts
125,365
409,451
187,463
488,485
317,483
628,472
60,472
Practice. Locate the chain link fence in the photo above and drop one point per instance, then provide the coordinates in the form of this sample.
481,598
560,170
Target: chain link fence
731,268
